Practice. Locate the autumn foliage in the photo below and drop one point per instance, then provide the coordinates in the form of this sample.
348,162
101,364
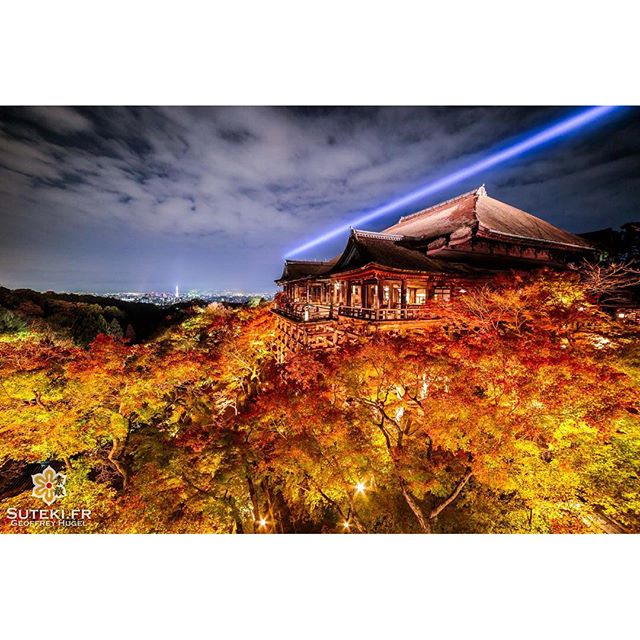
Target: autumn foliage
518,413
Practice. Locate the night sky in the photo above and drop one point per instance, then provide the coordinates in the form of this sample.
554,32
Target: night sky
139,199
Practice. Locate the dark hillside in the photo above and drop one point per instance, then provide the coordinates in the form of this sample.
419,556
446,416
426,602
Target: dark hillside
83,315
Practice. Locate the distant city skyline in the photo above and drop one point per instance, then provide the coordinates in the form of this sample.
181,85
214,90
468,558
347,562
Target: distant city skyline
150,199
165,298
172,296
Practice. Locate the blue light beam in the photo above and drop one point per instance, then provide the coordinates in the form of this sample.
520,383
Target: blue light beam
562,128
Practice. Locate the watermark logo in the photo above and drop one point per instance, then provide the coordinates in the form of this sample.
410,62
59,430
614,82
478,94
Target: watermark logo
49,486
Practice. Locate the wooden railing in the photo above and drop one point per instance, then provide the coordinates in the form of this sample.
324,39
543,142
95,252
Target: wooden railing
311,312
414,312
306,312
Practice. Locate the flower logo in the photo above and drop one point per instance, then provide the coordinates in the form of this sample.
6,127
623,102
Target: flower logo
49,485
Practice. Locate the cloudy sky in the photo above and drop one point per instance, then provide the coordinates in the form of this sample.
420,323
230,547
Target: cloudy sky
121,199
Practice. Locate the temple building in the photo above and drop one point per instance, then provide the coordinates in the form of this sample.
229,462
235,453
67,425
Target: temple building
397,279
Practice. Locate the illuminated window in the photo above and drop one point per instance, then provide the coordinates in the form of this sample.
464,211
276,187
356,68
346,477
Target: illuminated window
443,294
421,296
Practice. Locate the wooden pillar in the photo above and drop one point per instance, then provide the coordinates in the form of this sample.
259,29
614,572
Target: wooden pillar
307,291
403,294
349,289
380,293
333,298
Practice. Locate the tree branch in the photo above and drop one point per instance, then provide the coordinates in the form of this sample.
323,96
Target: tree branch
456,492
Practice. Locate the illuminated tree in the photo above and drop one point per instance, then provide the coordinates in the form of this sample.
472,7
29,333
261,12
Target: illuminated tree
518,414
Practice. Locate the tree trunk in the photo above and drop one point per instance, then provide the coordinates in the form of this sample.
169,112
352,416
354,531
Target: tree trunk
413,505
120,468
254,500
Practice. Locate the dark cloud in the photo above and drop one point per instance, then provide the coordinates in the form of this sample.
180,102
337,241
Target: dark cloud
106,198
236,136
62,120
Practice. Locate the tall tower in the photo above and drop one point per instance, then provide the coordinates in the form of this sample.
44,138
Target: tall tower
177,292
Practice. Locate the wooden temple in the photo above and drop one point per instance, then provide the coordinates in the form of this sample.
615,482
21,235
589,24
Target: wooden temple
398,278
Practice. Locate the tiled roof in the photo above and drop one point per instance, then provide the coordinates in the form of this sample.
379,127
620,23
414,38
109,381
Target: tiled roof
365,247
482,215
402,246
298,269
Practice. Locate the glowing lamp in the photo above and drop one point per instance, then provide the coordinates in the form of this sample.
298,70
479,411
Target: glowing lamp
360,487
262,522
621,315
346,524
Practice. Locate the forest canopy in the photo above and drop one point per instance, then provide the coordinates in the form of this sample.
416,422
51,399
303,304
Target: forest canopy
517,414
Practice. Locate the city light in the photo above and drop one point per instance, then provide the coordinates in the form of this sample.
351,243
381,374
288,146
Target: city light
529,143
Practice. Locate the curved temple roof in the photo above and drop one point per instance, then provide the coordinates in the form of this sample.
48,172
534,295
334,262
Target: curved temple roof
366,247
403,246
299,269
478,211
